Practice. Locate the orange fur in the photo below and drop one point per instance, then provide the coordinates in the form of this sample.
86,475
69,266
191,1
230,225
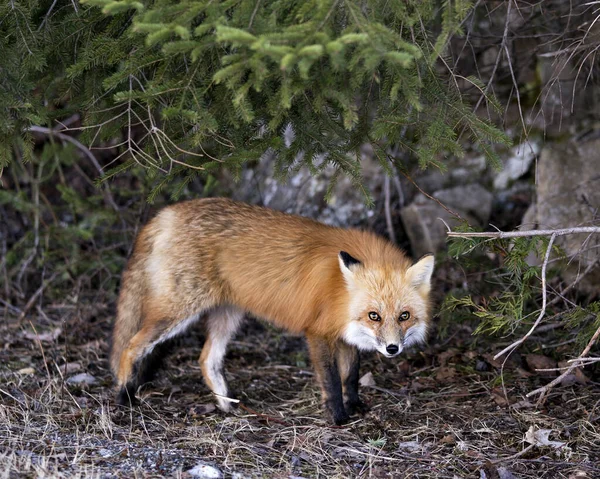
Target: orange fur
197,256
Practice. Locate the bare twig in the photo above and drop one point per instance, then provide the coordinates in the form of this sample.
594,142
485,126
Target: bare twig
575,363
388,213
517,343
453,213
498,57
81,147
514,456
523,234
36,295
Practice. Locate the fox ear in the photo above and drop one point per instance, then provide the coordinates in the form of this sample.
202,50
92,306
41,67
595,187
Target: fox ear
419,274
346,265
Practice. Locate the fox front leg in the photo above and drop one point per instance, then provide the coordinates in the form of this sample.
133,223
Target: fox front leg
348,360
323,357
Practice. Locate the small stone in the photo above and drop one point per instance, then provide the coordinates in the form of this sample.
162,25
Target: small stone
105,452
481,366
205,471
26,371
367,380
82,379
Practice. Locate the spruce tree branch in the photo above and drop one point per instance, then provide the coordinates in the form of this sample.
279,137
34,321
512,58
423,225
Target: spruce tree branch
575,363
517,343
524,234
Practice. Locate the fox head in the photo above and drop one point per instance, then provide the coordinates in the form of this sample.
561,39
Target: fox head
388,307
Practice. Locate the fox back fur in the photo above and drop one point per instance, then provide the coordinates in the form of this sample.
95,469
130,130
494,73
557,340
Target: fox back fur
216,259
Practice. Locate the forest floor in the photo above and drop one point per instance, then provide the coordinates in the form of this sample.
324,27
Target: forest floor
448,410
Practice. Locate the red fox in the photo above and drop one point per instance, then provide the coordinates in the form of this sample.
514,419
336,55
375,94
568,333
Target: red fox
216,259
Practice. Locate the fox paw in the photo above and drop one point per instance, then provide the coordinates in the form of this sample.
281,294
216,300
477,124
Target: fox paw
356,407
227,403
338,414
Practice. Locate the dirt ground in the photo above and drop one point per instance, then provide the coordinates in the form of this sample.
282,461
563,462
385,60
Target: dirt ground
444,411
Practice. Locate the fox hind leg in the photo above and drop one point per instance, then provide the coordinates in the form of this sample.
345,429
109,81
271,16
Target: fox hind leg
135,362
222,323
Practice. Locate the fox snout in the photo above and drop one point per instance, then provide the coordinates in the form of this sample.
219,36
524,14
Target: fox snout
396,341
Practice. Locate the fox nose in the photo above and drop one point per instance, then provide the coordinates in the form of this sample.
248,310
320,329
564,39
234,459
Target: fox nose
392,348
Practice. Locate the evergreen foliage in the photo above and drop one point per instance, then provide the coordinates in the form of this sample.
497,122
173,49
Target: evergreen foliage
190,86
510,301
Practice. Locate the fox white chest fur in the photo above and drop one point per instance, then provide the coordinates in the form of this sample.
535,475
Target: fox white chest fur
213,260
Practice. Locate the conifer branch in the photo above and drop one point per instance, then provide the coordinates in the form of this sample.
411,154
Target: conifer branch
542,313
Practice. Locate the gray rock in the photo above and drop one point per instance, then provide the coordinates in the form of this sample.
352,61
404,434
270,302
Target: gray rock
304,193
472,199
517,164
468,170
423,224
568,195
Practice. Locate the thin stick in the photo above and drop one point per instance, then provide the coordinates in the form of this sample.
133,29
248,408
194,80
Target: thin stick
523,234
81,147
388,213
544,389
544,302
453,213
35,296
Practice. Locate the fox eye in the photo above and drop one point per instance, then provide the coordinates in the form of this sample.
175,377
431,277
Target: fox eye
404,316
373,316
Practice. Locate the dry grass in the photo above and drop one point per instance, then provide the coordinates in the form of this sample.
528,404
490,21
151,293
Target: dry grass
426,419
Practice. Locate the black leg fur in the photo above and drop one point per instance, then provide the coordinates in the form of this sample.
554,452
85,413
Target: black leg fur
154,361
143,372
334,402
353,403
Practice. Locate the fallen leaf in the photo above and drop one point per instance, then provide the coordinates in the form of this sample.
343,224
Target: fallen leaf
539,361
500,398
445,373
26,371
367,380
445,356
524,404
202,409
540,437
410,446
449,439
575,376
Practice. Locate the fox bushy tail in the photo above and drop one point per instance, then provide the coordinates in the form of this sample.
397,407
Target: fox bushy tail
129,312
